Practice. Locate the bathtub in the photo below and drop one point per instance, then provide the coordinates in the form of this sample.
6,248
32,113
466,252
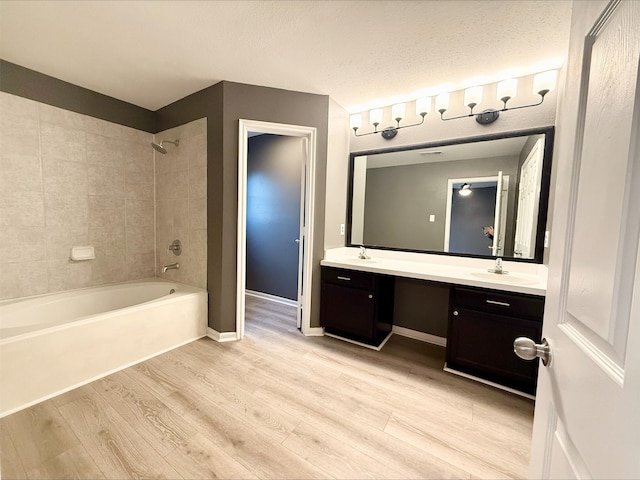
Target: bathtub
52,343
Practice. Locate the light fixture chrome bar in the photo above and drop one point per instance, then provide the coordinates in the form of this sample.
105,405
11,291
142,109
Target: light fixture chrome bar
391,131
504,108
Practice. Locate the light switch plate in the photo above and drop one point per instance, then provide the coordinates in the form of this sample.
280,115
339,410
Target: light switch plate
546,239
432,218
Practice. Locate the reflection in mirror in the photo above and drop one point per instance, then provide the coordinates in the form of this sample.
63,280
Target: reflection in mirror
478,197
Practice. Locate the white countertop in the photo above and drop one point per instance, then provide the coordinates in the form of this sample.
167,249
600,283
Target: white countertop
522,277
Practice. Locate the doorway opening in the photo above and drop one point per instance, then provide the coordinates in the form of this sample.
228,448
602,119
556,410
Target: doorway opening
476,222
303,241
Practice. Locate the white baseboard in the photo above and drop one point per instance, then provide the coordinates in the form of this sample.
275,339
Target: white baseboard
365,345
487,382
423,337
221,337
272,298
314,332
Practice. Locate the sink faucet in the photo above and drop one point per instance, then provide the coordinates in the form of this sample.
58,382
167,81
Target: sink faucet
498,267
173,266
363,253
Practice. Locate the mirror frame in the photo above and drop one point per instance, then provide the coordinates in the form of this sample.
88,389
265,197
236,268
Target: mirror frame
543,205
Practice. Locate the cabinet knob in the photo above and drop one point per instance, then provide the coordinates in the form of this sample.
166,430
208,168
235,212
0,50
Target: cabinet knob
370,296
455,313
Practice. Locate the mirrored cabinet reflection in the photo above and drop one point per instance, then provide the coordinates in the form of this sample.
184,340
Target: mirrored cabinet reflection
484,196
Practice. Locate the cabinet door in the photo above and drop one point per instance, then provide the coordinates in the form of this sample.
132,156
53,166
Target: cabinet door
348,310
481,344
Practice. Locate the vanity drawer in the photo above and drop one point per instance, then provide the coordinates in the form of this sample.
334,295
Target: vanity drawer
503,303
351,278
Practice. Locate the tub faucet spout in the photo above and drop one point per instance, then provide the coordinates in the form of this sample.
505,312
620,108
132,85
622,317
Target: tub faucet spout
173,266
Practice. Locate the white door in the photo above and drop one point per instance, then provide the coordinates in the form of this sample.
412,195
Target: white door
528,202
303,234
587,417
499,218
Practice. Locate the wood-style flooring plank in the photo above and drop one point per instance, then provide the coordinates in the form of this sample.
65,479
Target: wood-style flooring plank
275,405
39,433
74,463
11,466
152,419
115,446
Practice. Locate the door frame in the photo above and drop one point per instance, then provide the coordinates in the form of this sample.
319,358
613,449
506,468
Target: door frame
310,133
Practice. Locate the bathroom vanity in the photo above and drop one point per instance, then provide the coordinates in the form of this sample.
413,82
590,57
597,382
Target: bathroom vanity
484,311
435,250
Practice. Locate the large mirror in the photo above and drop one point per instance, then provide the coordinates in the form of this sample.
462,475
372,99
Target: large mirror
482,196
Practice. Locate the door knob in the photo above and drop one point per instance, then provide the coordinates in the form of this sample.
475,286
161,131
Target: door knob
527,349
297,240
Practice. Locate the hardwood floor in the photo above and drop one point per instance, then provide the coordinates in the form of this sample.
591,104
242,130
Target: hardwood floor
275,405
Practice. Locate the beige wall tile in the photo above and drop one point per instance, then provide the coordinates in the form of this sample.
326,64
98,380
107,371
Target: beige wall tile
140,240
139,213
62,142
64,181
24,209
67,275
141,265
65,209
63,176
20,173
59,241
107,269
19,135
181,212
105,180
197,213
198,182
111,240
107,211
23,279
104,151
22,244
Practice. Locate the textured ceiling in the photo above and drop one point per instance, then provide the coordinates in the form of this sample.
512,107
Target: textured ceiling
361,53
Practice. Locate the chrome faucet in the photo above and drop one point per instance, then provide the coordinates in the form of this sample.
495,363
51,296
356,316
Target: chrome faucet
498,267
173,266
363,253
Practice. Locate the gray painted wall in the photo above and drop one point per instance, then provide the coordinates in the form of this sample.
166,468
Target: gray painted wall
468,216
224,104
395,218
422,306
274,168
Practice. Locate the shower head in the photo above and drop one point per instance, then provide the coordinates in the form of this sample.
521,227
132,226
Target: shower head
160,146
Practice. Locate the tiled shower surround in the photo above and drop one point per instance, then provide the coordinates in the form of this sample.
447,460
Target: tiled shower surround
181,203
66,180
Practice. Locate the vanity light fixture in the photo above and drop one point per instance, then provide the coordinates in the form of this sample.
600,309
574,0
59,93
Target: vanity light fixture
465,190
398,113
543,83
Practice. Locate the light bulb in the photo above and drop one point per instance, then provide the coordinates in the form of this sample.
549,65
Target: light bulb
544,82
442,101
423,106
355,121
473,96
398,111
507,89
375,117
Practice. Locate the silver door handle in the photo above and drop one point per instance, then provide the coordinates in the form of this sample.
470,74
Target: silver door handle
527,349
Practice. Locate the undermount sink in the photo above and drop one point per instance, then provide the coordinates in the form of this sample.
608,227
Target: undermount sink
506,278
362,260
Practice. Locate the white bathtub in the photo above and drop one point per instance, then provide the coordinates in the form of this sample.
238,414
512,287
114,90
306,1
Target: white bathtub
52,343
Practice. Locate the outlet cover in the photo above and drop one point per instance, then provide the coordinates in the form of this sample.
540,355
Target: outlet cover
342,229
432,218
546,239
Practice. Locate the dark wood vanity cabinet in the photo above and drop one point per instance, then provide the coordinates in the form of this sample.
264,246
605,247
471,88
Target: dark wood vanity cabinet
356,305
482,327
